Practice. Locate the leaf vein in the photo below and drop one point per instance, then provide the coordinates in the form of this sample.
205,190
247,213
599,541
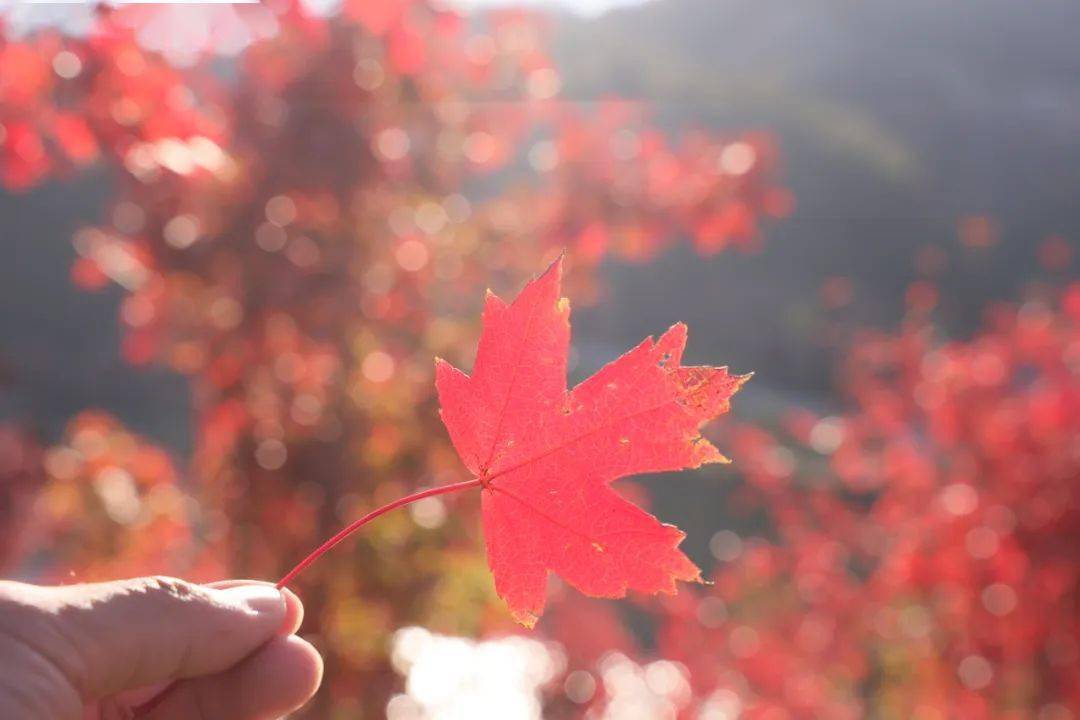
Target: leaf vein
577,438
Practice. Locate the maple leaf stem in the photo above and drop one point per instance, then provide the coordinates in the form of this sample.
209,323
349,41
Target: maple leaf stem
361,522
318,552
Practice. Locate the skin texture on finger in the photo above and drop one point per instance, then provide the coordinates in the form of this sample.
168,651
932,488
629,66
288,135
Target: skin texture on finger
294,617
276,680
32,686
107,637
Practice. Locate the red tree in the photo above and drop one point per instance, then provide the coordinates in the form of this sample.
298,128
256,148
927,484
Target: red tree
299,236
925,561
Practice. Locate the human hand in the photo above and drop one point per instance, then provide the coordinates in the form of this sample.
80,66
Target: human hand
94,652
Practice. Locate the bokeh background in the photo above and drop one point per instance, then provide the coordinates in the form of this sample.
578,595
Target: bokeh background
234,238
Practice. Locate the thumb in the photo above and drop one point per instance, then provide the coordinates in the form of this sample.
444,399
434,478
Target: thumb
108,637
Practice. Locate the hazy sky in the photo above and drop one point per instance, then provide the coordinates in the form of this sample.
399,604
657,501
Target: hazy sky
24,15
585,7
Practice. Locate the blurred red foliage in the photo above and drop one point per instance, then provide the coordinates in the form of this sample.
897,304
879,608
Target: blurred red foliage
20,464
925,561
299,236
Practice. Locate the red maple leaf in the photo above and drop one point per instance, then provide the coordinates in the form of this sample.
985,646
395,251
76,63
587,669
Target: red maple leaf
545,456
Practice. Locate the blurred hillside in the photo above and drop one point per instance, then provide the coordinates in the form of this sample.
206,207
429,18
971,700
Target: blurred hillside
60,345
894,119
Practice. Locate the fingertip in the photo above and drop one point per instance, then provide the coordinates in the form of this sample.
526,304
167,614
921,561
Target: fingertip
305,654
294,612
279,678
264,601
294,607
283,675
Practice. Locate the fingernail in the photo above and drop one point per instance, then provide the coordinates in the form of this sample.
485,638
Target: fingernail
257,598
